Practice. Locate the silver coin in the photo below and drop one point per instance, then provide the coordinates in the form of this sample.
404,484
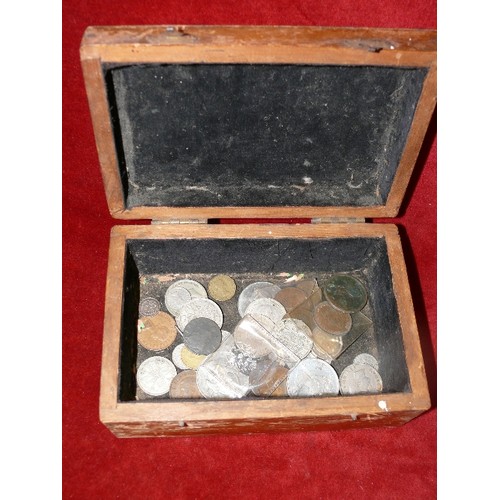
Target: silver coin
149,306
176,357
199,308
252,335
367,359
258,290
155,375
181,292
270,308
312,377
294,337
202,336
360,379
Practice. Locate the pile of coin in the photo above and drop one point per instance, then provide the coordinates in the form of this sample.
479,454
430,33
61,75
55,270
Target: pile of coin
282,345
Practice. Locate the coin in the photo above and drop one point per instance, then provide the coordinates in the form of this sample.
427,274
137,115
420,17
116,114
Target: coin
270,308
155,375
252,335
332,320
360,379
290,297
190,359
257,290
327,343
245,363
184,386
202,336
199,308
176,296
149,306
312,377
294,337
367,359
176,357
346,293
157,332
221,287
272,382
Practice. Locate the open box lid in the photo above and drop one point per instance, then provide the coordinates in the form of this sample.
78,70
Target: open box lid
245,121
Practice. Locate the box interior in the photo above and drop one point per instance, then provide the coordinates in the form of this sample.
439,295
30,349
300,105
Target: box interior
260,135
151,265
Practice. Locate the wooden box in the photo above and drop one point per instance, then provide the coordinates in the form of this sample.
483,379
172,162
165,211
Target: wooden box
200,122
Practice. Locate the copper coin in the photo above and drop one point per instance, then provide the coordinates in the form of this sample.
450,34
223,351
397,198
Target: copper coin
221,287
304,314
149,306
330,344
291,297
156,333
190,359
184,386
332,320
346,293
272,383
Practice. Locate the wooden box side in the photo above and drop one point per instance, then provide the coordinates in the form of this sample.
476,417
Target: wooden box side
207,417
246,45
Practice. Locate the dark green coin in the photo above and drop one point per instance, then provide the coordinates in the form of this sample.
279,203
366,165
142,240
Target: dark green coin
345,293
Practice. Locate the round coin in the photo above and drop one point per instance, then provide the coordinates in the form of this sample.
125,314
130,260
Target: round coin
199,308
332,320
221,287
176,357
312,377
329,344
270,308
360,379
257,290
176,296
156,333
149,306
202,336
346,293
190,359
155,375
291,297
184,386
367,359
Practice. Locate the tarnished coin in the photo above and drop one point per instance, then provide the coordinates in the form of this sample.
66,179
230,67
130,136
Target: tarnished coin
199,308
346,293
270,308
176,357
327,343
258,290
190,359
367,359
332,320
221,287
294,337
202,336
156,333
312,377
360,379
184,386
271,383
149,306
252,335
155,375
176,296
291,297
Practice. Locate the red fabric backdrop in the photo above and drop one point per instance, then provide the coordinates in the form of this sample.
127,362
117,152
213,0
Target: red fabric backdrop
385,463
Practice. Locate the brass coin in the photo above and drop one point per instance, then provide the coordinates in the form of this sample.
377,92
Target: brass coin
221,287
190,359
184,386
291,297
330,344
273,382
346,293
332,320
156,333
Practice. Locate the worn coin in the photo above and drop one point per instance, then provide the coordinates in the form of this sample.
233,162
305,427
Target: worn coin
202,336
270,308
272,382
257,290
221,287
181,292
184,386
155,375
199,308
367,359
327,343
312,377
253,334
149,306
176,357
291,297
156,333
360,379
190,359
346,293
332,320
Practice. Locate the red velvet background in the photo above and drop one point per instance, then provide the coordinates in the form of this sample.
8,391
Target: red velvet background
384,463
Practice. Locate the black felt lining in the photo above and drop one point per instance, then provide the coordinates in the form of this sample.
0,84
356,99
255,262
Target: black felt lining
260,135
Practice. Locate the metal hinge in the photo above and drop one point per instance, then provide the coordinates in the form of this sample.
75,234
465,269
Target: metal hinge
336,220
179,221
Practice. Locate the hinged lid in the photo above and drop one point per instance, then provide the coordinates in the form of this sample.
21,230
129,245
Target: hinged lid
200,122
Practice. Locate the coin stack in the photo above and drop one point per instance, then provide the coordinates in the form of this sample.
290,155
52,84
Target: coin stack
282,345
